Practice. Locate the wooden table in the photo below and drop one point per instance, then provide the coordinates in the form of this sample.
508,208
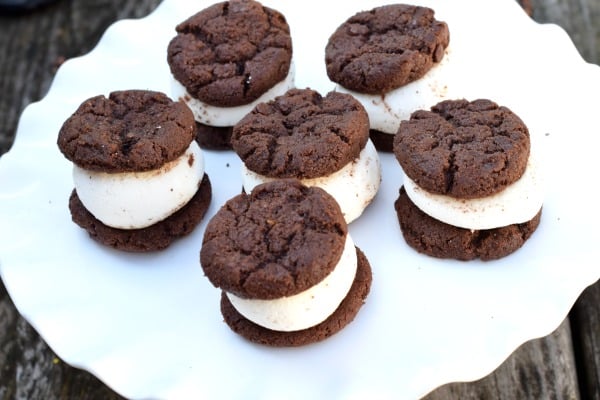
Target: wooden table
563,365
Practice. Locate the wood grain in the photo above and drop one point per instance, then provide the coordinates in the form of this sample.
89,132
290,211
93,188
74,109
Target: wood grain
563,365
38,42
539,369
581,20
585,322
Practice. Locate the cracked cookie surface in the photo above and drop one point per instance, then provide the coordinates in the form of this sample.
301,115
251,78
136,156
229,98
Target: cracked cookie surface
278,241
387,47
131,130
302,134
463,149
231,52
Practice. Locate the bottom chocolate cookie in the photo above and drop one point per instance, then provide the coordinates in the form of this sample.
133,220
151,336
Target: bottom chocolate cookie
383,141
342,316
213,137
152,238
430,236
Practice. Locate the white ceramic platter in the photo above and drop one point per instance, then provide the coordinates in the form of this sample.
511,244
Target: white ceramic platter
149,325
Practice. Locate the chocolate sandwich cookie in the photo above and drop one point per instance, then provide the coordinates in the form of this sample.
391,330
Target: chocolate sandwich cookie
283,257
471,186
463,149
430,236
138,173
377,51
321,140
302,134
227,56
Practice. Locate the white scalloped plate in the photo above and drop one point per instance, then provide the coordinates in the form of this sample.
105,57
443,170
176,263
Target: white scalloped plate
149,325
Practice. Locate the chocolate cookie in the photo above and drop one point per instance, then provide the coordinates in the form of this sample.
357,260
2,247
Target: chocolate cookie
302,134
387,47
213,137
287,267
280,240
435,238
139,176
131,130
463,149
153,238
383,141
342,316
231,52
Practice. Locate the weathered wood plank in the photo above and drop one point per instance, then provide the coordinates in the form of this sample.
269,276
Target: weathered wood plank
581,19
542,368
38,41
539,369
30,370
585,322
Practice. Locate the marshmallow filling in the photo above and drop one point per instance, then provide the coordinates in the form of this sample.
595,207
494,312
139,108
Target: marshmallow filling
353,187
517,203
228,116
134,200
308,308
388,109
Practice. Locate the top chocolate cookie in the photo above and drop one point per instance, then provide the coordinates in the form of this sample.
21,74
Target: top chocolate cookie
302,134
387,47
278,241
231,52
463,149
131,130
